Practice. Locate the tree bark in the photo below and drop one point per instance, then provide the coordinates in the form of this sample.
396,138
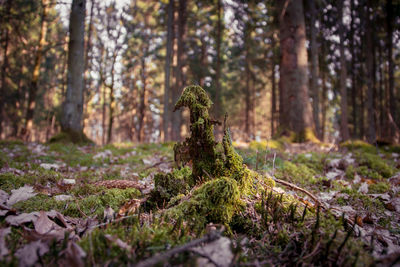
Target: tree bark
180,71
33,88
295,109
167,105
142,105
4,66
73,106
344,128
273,89
371,135
389,47
314,67
354,70
217,101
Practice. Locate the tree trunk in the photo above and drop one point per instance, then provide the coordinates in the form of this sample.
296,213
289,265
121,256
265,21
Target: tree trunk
217,101
88,48
167,105
273,89
324,105
371,135
295,112
354,70
344,128
314,67
180,71
33,88
142,105
4,66
247,94
71,121
389,47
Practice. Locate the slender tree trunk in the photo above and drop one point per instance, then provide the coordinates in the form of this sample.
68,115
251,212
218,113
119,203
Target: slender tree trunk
33,88
354,70
273,90
371,135
314,67
381,93
142,105
72,107
203,59
324,105
296,114
167,105
217,101
344,128
389,46
103,116
88,48
247,94
4,66
180,72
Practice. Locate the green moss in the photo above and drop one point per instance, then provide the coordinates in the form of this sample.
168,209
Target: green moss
368,173
375,163
378,188
71,155
167,186
359,145
91,205
71,137
350,172
296,173
314,161
214,201
266,144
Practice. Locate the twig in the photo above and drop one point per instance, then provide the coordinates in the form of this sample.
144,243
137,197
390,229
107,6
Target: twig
168,254
292,186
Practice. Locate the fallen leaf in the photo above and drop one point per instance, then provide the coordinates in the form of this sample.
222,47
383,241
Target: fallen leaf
363,188
21,194
43,224
3,248
29,254
49,166
3,196
75,255
69,181
109,214
63,197
22,218
219,251
129,207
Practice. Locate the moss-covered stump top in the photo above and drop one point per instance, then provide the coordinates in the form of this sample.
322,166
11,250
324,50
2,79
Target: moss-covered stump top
199,148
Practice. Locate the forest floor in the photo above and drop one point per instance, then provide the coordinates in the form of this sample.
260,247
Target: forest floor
83,205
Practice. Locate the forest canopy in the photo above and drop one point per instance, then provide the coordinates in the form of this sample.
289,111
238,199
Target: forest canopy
335,77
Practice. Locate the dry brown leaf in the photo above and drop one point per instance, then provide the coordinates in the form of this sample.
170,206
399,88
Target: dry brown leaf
3,248
3,196
22,218
129,207
74,255
29,254
21,194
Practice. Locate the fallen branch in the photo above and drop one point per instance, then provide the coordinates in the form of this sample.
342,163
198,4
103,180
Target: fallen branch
214,235
295,187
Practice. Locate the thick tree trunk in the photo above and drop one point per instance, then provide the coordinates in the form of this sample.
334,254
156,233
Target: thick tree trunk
33,88
314,67
371,135
167,105
344,128
295,112
72,107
